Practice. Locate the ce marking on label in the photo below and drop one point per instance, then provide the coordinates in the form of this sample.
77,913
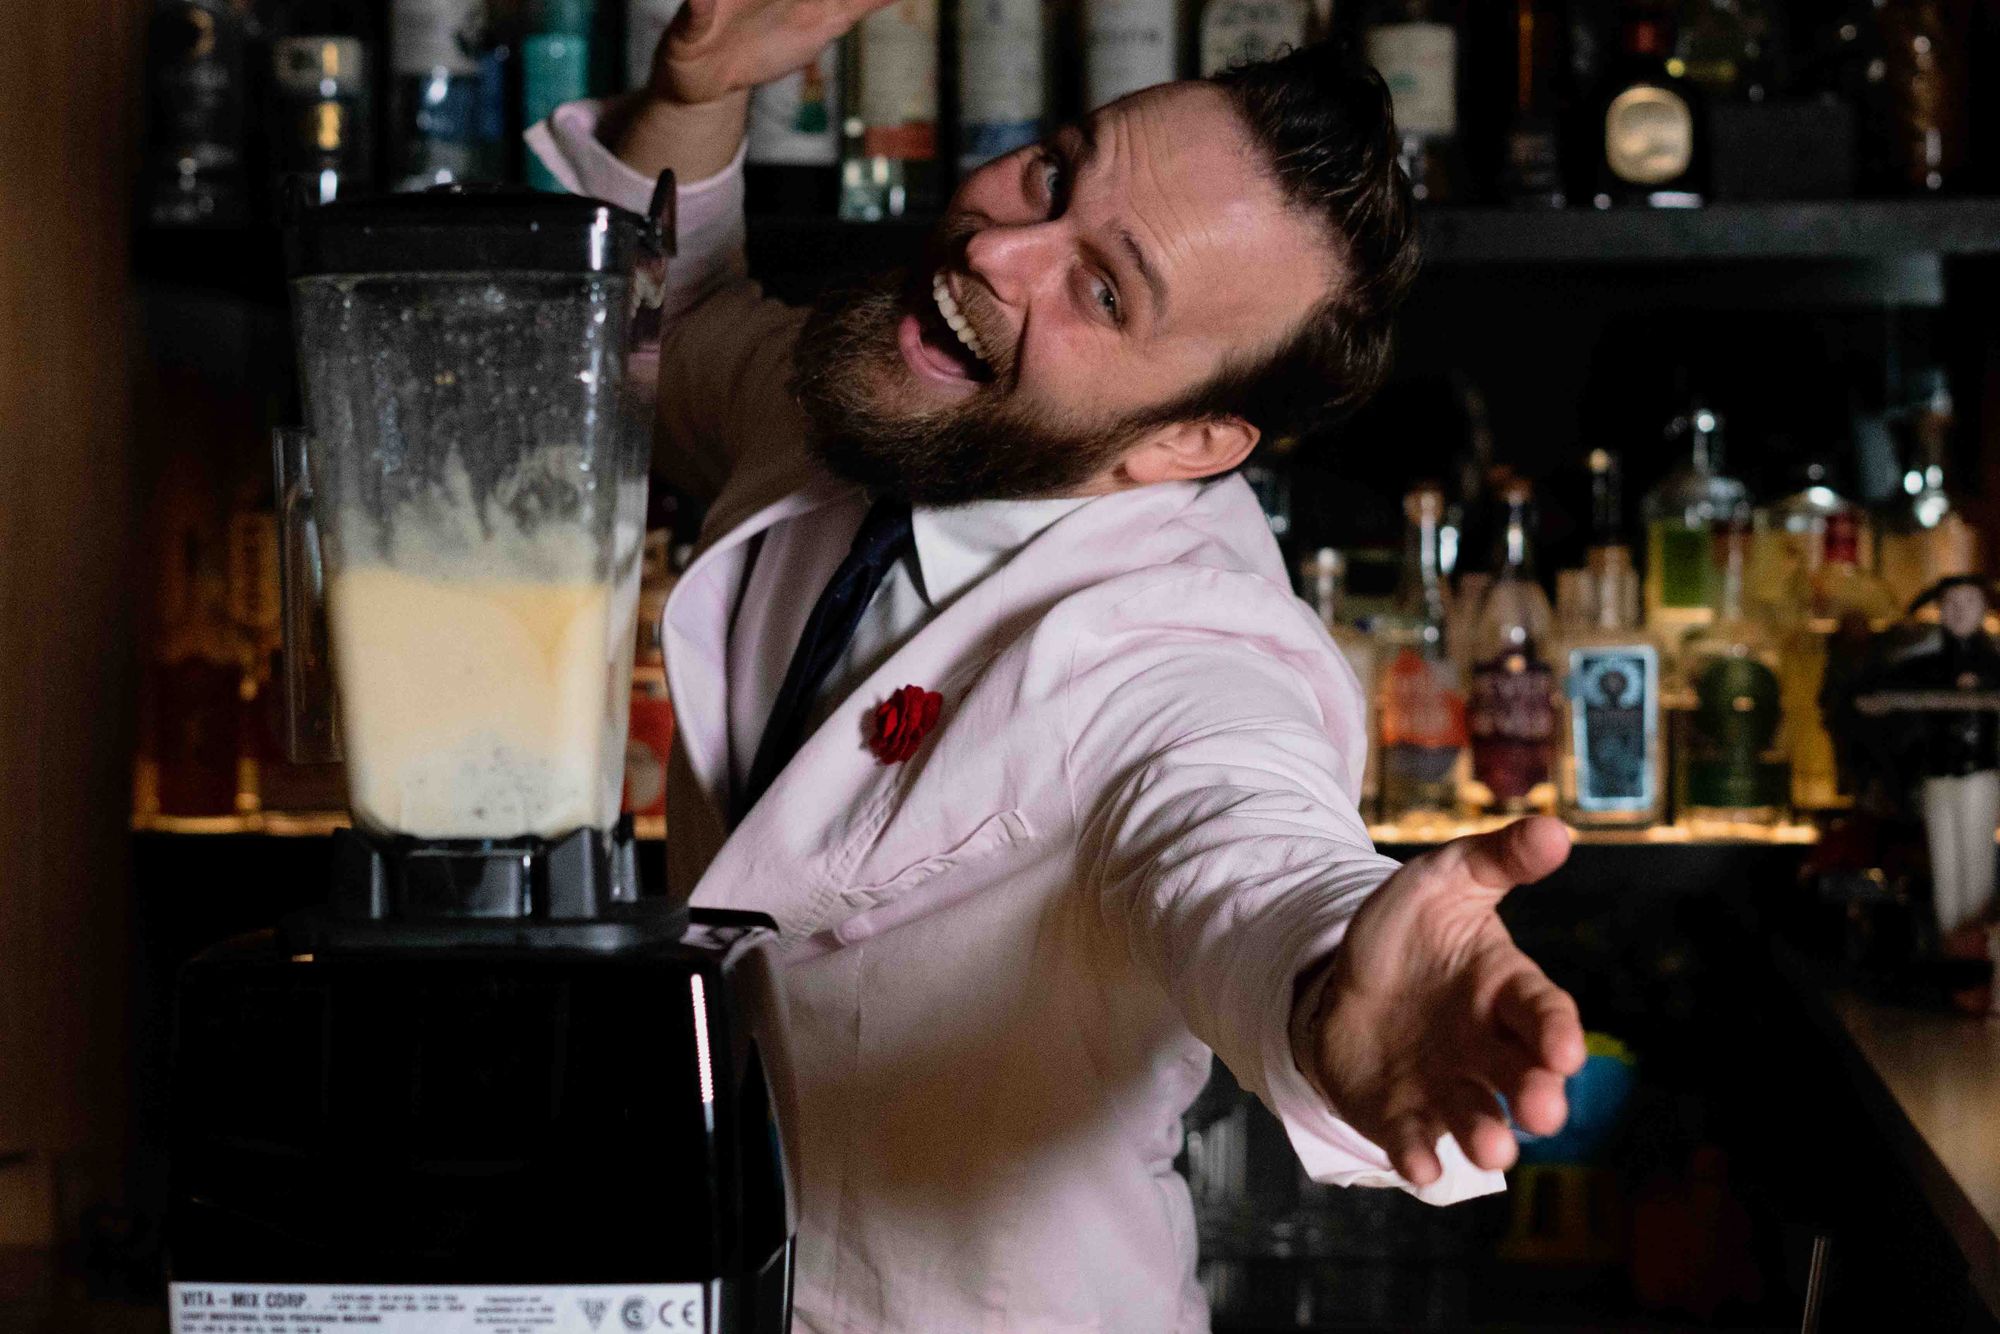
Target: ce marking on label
681,1315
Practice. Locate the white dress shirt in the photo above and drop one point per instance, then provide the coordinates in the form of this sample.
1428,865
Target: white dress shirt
953,550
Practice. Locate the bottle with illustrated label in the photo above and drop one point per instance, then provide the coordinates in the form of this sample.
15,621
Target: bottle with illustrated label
1420,708
1003,77
198,114
449,118
1511,706
1128,45
1414,44
323,88
1652,139
646,21
1681,515
1323,576
555,67
889,147
1733,767
792,164
1612,775
1237,32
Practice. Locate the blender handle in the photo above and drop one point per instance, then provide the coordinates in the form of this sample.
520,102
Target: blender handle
312,732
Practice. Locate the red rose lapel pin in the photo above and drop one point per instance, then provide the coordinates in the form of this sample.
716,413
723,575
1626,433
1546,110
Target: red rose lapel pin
901,723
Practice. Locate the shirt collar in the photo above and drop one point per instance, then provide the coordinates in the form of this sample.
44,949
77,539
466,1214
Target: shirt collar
959,546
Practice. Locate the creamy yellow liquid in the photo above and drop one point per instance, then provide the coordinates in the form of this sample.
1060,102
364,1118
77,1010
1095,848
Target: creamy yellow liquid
475,708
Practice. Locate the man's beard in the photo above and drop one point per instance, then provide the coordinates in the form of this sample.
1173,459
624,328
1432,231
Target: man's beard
987,446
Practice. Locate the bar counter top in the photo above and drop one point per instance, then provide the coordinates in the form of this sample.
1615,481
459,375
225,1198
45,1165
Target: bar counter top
1933,1080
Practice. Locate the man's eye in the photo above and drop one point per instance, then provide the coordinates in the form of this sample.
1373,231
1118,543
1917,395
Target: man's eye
1106,298
1052,183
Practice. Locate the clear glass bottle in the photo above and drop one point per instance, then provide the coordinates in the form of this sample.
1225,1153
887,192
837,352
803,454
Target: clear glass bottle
1611,771
1733,768
1788,546
1681,515
792,163
323,70
1841,607
1323,577
1420,706
1236,32
449,94
1414,43
889,148
1925,536
1128,45
1511,709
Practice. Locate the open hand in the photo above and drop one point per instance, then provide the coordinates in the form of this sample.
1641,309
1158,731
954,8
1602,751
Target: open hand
717,47
1431,1010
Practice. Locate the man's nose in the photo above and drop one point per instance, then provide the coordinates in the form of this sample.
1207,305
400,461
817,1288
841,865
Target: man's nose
1014,259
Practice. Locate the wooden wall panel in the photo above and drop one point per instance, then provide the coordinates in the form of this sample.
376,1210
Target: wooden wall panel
69,79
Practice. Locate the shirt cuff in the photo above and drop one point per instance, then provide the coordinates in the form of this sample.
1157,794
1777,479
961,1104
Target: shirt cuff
1331,1150
568,146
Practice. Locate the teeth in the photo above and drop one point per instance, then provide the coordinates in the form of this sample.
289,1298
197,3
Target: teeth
955,317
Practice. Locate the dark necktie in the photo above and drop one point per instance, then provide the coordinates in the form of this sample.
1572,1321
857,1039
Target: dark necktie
884,537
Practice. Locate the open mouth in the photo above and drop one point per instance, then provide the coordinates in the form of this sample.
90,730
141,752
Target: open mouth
949,345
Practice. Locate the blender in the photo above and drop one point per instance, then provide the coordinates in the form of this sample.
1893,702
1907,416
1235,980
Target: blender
490,1085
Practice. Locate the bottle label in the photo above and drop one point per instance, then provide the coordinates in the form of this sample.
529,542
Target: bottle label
1686,564
426,35
1001,77
1237,32
1128,45
1614,710
1513,723
646,21
1419,62
1730,737
792,120
1421,705
899,81
320,67
333,1308
1648,135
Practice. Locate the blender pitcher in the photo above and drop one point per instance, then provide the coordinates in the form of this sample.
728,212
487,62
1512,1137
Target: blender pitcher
477,467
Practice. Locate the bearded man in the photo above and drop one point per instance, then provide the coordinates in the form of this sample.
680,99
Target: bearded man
993,693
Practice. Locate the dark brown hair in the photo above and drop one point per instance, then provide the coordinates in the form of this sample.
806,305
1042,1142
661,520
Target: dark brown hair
1324,122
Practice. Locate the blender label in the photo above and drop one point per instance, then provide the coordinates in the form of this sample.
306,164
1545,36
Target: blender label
343,1308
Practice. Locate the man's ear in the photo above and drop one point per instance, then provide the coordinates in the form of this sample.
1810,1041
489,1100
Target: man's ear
1189,450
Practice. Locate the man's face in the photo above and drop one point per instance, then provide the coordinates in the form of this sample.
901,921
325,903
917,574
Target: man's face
1098,278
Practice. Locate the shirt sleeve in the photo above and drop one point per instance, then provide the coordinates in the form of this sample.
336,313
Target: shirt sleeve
1220,834
716,379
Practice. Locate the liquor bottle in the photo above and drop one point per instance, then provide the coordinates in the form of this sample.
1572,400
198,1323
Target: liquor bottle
1237,32
1511,712
450,113
1723,49
1414,44
1532,173
1128,45
646,21
199,124
1842,607
555,67
1612,776
889,131
1419,705
1733,768
323,65
1651,146
1923,95
1323,576
1003,78
792,164
1925,536
1681,515
1788,546
649,740
255,616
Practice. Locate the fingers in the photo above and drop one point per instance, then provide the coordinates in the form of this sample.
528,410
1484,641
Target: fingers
1478,1123
1543,1018
1518,854
1411,1144
1534,1093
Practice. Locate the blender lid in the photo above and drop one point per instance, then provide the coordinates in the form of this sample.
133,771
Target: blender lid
472,229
